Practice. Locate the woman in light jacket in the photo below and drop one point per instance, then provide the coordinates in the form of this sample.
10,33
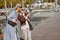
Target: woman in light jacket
10,31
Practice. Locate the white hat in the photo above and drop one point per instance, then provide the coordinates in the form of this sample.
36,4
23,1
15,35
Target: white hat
18,5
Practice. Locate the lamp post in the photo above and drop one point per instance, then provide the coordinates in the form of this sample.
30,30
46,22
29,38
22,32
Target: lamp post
22,3
6,8
56,4
5,4
11,4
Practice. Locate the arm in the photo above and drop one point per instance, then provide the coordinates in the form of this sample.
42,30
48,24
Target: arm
12,17
27,19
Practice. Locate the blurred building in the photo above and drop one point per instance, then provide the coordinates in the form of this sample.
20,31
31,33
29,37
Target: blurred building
46,4
58,1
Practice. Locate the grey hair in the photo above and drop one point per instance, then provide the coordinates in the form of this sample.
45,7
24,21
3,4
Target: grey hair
18,5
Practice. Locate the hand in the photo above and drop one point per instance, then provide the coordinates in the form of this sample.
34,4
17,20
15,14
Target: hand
28,20
15,21
28,14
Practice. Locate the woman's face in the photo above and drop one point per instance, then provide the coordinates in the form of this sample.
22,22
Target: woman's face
19,9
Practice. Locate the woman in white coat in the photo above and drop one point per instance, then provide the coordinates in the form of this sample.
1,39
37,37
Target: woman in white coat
10,31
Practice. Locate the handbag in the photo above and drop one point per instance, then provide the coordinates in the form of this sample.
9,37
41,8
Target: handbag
21,18
12,23
30,26
21,38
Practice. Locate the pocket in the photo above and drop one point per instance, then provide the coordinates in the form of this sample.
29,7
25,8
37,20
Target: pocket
12,23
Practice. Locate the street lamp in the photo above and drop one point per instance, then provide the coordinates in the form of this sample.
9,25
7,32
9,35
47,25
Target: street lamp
11,3
5,3
56,4
6,8
22,3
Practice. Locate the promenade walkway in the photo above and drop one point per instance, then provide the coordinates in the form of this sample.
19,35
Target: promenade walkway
48,30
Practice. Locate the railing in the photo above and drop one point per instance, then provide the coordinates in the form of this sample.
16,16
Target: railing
4,10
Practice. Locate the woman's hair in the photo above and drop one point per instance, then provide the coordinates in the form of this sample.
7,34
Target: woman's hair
18,7
21,12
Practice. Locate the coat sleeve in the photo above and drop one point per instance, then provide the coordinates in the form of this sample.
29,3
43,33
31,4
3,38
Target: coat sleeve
11,16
